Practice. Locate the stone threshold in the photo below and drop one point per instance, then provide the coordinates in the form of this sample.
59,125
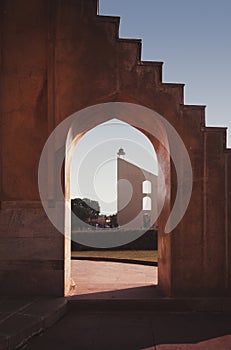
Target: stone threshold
159,305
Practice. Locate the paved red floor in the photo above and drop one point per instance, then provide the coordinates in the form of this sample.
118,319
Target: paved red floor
100,280
122,324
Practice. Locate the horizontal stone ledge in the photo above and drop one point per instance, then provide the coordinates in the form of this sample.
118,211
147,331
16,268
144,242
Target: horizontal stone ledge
6,265
151,63
160,304
193,107
215,129
17,204
129,41
110,19
30,248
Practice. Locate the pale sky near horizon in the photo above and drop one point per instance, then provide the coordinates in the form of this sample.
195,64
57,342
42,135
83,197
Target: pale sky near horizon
192,38
94,165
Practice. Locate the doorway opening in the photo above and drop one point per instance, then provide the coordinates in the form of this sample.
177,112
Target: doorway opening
115,207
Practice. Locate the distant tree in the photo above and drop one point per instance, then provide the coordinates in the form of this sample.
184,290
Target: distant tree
85,208
94,205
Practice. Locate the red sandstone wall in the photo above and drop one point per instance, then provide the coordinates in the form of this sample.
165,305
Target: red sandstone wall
187,238
31,250
56,58
228,219
23,96
215,201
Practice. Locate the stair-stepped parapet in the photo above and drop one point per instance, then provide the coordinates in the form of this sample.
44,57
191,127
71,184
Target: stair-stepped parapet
111,24
89,7
86,9
219,135
194,114
174,89
150,71
129,52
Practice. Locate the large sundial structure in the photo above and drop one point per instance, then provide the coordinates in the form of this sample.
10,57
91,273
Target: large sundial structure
134,202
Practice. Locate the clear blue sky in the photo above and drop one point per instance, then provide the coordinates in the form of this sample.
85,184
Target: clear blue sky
192,38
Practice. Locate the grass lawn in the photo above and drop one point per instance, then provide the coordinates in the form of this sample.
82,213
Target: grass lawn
140,255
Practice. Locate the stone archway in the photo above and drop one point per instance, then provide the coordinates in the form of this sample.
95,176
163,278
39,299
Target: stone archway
43,81
159,132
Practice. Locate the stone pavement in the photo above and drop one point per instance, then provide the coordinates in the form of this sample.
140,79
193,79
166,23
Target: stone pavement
23,317
108,280
115,306
122,330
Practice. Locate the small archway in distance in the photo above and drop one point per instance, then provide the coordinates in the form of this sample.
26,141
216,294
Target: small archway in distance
147,187
147,203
